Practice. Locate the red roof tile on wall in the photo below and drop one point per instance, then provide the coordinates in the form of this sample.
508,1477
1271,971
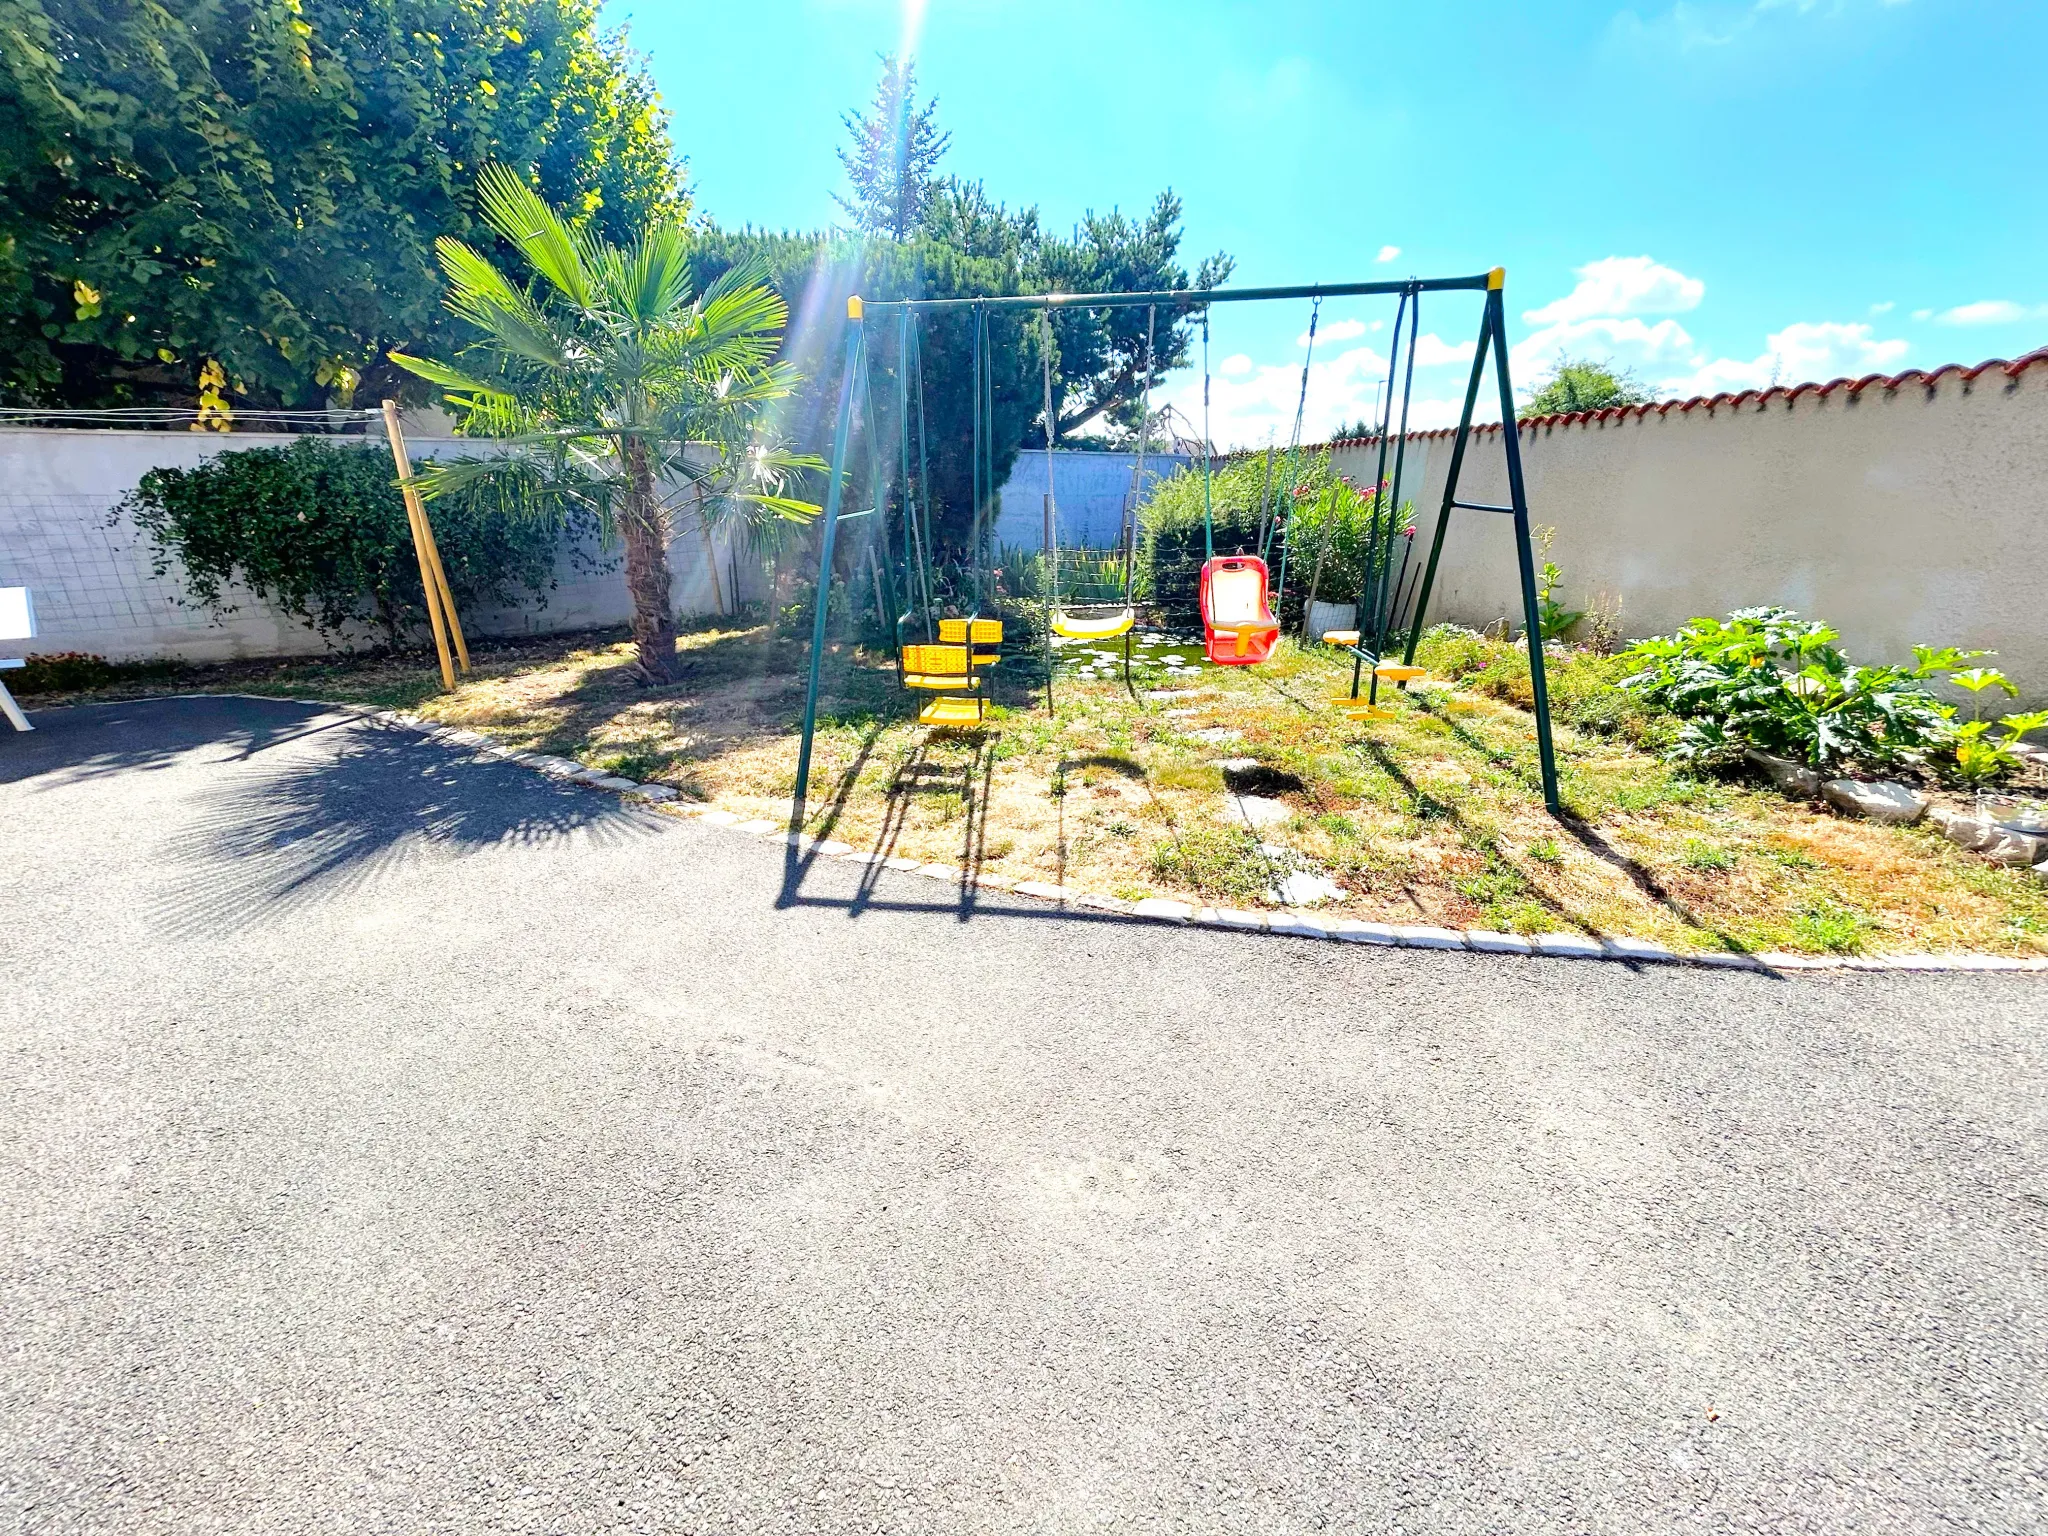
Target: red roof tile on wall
1789,393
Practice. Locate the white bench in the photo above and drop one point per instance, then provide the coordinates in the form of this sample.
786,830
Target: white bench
17,622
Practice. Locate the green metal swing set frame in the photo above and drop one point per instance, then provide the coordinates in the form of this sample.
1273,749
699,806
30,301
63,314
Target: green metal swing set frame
1383,595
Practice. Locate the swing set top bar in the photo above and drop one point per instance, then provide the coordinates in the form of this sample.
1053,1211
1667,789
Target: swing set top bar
1188,298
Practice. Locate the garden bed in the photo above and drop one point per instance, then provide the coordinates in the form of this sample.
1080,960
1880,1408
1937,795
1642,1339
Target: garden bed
1216,785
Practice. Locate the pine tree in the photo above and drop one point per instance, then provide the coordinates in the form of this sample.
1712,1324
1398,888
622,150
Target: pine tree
895,148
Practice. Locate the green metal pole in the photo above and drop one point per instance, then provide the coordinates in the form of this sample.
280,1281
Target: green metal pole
1443,516
1518,498
1379,488
855,342
1380,562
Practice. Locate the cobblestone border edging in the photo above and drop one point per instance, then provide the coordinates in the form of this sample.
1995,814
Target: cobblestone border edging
1290,923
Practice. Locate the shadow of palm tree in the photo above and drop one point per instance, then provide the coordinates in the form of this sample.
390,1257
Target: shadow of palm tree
349,804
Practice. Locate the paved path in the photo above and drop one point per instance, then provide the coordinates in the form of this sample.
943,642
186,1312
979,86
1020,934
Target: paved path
396,1142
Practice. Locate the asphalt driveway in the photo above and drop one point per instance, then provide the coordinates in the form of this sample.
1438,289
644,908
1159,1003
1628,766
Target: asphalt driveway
393,1141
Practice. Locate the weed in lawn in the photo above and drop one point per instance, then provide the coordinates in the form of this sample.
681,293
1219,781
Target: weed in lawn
1791,858
1545,851
635,765
1705,858
1217,861
1829,926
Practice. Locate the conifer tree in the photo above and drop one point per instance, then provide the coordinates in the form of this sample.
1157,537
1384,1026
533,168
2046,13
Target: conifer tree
896,146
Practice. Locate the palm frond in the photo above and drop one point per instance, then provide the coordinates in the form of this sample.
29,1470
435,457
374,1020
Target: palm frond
449,378
553,250
650,284
480,294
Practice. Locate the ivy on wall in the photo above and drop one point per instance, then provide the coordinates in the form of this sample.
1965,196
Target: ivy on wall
318,530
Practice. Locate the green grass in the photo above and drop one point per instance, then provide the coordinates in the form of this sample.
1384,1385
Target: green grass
1705,858
1831,927
1217,861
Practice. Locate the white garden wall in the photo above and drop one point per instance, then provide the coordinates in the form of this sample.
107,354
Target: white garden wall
1901,510
95,590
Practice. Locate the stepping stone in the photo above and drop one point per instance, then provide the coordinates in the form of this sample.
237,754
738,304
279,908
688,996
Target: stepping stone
1216,735
762,827
1258,811
617,786
1302,889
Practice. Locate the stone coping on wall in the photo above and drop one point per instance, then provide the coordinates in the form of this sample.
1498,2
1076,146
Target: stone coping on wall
1927,378
1287,923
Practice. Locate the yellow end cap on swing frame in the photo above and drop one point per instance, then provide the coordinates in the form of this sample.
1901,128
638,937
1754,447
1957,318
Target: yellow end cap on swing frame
1497,279
853,306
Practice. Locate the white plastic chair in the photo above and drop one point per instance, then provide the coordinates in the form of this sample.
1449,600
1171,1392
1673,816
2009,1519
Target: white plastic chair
17,622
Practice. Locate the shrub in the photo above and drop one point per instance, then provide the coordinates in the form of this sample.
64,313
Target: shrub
319,531
1170,544
1766,678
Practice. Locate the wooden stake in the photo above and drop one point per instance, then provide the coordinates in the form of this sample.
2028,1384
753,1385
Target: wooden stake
416,519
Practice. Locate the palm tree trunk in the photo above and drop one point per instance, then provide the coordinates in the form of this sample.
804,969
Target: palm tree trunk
647,578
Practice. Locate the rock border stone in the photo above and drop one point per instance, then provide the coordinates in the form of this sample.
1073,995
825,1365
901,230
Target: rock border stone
1286,923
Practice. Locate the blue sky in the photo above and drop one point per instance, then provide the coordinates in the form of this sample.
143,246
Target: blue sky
1710,193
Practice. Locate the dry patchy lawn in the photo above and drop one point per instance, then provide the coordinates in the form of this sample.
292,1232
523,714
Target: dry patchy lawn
1431,817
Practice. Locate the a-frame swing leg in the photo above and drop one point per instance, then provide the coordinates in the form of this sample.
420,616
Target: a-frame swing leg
1493,338
854,364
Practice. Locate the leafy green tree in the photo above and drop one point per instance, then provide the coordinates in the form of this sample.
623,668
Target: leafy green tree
615,388
895,146
1581,384
188,181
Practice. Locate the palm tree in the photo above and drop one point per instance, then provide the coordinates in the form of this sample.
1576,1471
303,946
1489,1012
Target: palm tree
611,386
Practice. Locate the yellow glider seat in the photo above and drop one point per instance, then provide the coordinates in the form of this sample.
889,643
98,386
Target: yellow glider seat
1076,626
947,667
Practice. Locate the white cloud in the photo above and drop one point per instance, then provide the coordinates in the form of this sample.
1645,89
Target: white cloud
1235,366
1388,253
1991,312
1923,314
1257,406
1622,285
1432,351
1809,352
1637,341
1337,330
1885,308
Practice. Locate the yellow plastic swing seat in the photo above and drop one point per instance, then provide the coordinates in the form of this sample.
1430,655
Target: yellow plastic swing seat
939,682
951,712
1073,626
1396,672
1340,637
1360,709
971,632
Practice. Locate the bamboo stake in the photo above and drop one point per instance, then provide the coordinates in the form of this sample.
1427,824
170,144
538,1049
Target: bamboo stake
416,519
